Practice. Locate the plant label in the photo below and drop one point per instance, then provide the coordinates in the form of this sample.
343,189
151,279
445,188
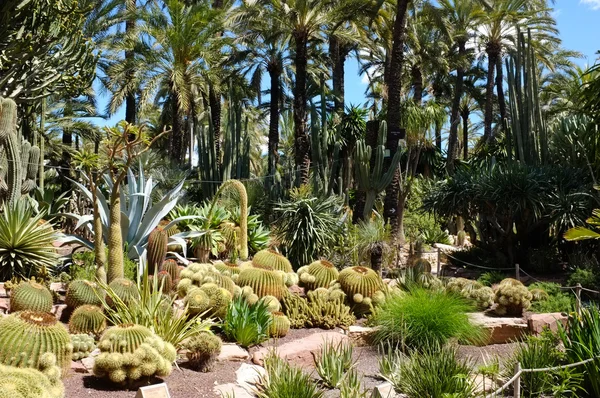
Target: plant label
154,391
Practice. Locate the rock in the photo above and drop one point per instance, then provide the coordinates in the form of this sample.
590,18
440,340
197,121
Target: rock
61,312
295,289
360,336
300,352
500,330
58,287
483,384
4,305
77,367
233,352
88,363
233,390
385,390
248,375
537,322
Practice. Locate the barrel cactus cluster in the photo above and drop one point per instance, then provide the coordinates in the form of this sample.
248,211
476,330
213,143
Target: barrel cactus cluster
363,288
511,298
317,274
203,350
83,345
45,381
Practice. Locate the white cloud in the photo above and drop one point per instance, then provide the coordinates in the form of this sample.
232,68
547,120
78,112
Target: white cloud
594,4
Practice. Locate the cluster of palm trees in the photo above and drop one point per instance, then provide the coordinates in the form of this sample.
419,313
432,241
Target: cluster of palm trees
186,63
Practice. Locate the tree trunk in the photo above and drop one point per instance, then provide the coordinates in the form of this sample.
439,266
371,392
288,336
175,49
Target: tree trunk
302,143
493,51
417,82
454,114
214,100
337,53
438,135
274,70
376,259
500,89
130,111
465,117
176,134
395,133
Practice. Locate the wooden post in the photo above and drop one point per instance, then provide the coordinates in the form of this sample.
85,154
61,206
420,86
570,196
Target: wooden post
578,298
517,272
517,382
439,262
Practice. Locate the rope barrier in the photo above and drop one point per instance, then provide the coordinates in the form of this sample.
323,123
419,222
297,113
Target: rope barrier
478,266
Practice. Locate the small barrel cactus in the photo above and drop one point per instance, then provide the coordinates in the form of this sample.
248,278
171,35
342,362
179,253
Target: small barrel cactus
272,303
539,295
82,292
461,238
26,335
172,268
157,248
264,282
30,296
219,299
317,274
231,270
43,382
83,345
124,289
512,298
164,281
197,301
272,260
361,285
87,319
248,294
421,265
280,325
460,285
482,297
131,352
203,350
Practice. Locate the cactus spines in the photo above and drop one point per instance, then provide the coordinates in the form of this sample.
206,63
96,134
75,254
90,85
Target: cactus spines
164,281
125,289
202,350
197,301
131,352
422,266
482,297
271,258
272,303
317,274
461,238
26,335
243,197
87,319
512,298
359,280
31,296
26,383
83,345
172,268
157,249
264,282
219,299
81,292
539,295
280,325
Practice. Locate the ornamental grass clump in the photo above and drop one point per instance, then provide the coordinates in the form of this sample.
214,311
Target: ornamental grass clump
285,381
421,318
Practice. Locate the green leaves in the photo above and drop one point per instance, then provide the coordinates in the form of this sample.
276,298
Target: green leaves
247,324
582,233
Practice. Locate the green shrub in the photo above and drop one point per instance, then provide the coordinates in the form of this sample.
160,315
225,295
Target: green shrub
333,361
491,278
558,300
285,381
423,226
422,317
586,277
84,266
247,324
435,372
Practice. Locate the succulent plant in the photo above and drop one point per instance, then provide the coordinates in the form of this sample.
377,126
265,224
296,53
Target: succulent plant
197,301
184,286
87,319
512,298
280,325
460,285
30,296
157,248
248,294
461,238
164,282
317,274
82,292
422,265
272,303
264,282
83,345
172,268
131,352
203,350
511,282
231,270
26,335
482,297
318,310
361,285
273,260
43,382
125,289
219,299
539,295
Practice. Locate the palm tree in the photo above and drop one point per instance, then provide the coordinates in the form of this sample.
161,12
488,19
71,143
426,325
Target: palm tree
458,19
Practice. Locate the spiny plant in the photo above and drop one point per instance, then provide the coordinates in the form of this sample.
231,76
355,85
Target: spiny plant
363,288
196,301
26,383
125,289
172,268
203,350
157,248
280,325
87,319
512,298
82,292
83,345
317,274
26,335
264,282
333,361
219,299
272,259
30,296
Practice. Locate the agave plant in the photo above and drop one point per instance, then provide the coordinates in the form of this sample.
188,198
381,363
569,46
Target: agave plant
25,242
139,216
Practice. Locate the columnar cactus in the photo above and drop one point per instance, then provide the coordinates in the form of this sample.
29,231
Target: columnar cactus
30,296
172,268
130,352
203,350
82,292
271,258
157,249
421,265
512,298
317,274
280,325
87,319
83,345
164,281
27,383
264,282
26,335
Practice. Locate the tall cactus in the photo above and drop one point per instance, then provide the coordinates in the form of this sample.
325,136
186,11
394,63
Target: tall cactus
157,249
370,178
20,161
238,186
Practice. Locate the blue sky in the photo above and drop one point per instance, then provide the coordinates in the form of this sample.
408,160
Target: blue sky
578,22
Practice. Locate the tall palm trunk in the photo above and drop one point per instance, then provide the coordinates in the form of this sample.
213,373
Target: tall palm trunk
275,71
67,141
395,133
301,142
417,83
493,52
454,115
176,133
500,89
465,116
130,112
338,54
214,100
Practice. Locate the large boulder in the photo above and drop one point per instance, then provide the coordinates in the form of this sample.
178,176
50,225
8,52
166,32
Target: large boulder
500,330
538,322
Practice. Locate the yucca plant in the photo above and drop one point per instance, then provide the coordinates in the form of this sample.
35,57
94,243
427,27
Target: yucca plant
247,324
333,362
25,242
372,238
285,381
